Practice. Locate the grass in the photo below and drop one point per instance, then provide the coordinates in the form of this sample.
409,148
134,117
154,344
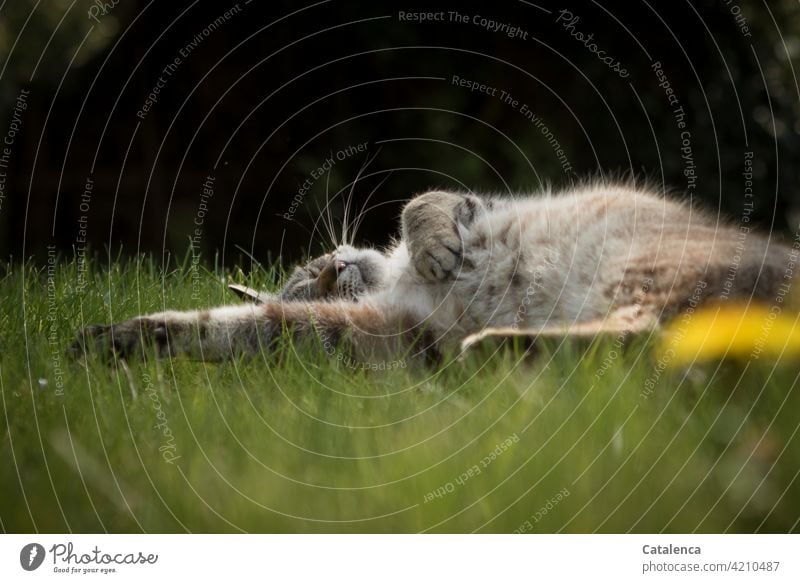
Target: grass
569,441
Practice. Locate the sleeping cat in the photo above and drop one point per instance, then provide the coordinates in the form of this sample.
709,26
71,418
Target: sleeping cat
467,262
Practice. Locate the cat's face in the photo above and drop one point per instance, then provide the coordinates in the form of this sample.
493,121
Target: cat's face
347,273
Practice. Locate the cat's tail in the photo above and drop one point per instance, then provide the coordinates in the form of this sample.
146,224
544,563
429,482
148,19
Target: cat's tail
755,268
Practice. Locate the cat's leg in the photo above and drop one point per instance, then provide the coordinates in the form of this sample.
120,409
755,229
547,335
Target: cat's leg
430,229
360,332
622,322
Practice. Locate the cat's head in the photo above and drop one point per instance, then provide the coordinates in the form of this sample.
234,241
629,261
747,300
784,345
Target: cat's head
347,273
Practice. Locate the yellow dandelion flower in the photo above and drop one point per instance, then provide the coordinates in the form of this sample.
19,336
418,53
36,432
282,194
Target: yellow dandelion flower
731,331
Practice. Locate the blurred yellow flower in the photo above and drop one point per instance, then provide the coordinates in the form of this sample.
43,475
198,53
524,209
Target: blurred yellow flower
731,331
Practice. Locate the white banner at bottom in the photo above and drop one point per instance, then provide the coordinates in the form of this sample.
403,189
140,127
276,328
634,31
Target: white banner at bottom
401,558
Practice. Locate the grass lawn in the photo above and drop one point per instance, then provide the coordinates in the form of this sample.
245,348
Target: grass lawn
582,438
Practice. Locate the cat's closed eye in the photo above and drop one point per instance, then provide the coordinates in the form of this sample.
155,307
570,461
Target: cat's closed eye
347,273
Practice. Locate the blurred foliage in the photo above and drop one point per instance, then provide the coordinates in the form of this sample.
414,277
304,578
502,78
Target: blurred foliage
262,100
42,38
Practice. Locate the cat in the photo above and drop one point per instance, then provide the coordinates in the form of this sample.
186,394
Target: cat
584,257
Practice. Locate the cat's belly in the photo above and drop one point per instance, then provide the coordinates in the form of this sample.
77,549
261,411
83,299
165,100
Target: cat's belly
522,270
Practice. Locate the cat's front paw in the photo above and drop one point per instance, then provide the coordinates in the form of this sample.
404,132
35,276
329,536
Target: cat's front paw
125,340
438,256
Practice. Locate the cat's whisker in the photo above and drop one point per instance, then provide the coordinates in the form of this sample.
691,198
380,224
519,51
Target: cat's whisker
345,219
325,224
329,223
349,199
363,212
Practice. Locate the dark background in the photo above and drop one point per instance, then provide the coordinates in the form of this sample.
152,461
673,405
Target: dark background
273,91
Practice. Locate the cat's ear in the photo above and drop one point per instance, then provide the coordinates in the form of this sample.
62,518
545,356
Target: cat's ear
248,294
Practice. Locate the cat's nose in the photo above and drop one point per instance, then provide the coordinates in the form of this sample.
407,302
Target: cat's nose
329,275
